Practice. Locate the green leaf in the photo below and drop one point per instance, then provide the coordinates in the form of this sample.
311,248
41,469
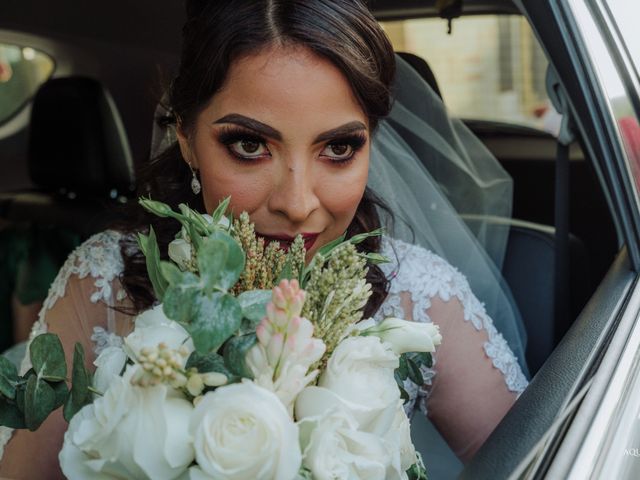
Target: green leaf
361,237
39,402
194,219
403,368
220,210
326,249
149,246
196,237
286,273
180,298
403,393
220,261
235,352
79,395
416,473
47,357
8,378
375,258
215,318
10,415
415,375
210,362
160,209
171,273
421,358
254,304
61,391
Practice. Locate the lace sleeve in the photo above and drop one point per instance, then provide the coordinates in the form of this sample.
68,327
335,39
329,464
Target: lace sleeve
474,369
77,308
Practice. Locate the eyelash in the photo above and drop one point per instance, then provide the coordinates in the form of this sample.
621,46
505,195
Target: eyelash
229,136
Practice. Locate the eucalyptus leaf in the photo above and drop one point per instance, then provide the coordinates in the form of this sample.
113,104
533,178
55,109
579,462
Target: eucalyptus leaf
79,395
215,318
421,358
61,391
415,375
10,415
254,304
39,402
210,362
8,378
171,273
180,298
403,368
403,393
47,357
20,397
235,352
220,261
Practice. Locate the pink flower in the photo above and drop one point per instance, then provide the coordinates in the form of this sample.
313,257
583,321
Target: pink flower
286,348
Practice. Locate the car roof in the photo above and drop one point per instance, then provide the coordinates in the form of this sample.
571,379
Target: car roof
156,25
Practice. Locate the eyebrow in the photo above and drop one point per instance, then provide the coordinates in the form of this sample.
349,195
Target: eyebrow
266,130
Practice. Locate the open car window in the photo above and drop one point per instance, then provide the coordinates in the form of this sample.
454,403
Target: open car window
493,54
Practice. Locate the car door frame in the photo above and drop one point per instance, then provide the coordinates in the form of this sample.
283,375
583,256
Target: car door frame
531,438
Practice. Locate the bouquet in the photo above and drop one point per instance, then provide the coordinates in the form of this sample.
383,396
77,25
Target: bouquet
254,364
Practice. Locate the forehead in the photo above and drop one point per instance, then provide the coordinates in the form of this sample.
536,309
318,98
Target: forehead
284,86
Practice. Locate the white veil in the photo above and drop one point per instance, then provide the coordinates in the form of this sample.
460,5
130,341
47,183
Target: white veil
429,169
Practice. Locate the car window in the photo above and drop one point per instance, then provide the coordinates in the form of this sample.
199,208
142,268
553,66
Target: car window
22,71
489,68
626,15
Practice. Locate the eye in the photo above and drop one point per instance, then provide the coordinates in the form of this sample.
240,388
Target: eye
242,144
249,148
343,150
338,151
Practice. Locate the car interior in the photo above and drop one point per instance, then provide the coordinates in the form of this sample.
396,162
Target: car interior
68,158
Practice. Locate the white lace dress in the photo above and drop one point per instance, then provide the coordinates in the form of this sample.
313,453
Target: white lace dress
474,380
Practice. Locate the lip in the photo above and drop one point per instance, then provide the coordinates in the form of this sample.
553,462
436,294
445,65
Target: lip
286,240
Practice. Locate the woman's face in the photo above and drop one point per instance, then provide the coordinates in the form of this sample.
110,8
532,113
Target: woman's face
285,138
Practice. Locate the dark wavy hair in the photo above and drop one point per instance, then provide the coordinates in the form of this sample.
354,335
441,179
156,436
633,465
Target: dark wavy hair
214,35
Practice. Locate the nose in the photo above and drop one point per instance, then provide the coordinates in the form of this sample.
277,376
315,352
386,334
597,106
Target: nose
294,194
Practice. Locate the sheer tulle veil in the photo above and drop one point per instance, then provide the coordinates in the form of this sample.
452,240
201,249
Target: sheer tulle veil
432,171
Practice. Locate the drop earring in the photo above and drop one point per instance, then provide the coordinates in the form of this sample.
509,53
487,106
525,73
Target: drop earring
196,187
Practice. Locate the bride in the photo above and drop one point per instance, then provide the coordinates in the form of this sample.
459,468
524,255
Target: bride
275,105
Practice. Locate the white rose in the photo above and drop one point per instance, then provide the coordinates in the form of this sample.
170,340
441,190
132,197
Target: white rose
405,336
335,449
110,364
399,443
129,432
243,431
180,251
152,327
358,377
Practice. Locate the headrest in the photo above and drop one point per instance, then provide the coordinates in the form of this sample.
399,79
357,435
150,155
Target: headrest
421,66
77,142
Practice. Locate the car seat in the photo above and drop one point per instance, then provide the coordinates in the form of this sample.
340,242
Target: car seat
78,158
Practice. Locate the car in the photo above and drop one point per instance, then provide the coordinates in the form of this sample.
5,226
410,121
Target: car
551,88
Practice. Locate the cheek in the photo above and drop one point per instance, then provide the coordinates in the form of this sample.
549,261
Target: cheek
341,193
220,180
